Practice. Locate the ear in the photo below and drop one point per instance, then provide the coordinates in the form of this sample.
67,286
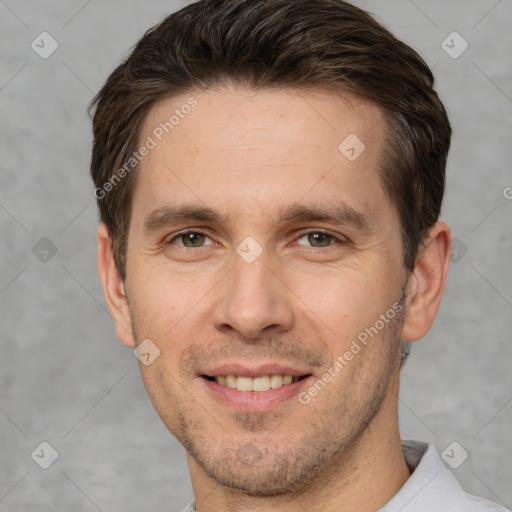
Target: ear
113,287
427,282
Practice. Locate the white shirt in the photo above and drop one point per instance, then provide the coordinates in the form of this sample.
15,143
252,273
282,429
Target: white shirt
431,487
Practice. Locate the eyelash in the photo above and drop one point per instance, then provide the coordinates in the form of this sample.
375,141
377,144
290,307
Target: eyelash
186,232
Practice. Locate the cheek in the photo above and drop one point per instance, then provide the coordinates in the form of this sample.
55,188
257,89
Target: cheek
165,308
345,300
160,300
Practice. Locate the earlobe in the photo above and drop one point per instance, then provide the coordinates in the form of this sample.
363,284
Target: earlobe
113,288
427,282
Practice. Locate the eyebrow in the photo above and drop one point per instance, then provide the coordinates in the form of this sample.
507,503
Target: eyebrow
340,213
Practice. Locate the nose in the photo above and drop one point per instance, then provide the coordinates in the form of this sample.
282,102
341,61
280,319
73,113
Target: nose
253,298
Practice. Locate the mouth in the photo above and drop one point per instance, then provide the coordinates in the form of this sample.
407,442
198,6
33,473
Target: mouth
256,384
254,391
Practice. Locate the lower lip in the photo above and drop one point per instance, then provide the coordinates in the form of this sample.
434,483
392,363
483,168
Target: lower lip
255,401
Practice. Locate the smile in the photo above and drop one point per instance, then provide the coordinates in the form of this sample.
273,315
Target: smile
256,393
259,384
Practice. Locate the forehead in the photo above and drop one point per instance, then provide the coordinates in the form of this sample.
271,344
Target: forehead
235,147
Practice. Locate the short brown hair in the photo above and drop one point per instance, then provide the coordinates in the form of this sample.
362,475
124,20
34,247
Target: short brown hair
278,43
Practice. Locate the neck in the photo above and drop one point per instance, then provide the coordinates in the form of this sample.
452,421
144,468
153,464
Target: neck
362,478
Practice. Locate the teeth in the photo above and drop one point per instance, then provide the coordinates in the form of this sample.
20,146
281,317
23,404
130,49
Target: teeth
260,383
244,383
276,381
263,383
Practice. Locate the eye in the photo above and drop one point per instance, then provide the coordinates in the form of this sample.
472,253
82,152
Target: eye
319,239
195,239
190,239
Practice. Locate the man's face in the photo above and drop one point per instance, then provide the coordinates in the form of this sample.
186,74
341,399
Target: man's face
264,288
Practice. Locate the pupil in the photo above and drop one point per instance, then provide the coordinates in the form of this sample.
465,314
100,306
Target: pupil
319,237
192,238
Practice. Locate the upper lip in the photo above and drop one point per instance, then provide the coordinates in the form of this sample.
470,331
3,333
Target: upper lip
253,371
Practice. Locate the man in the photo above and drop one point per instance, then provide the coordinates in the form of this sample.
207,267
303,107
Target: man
270,176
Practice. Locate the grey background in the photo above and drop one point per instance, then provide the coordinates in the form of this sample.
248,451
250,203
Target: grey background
64,377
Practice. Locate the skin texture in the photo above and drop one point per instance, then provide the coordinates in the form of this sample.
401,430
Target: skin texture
249,155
